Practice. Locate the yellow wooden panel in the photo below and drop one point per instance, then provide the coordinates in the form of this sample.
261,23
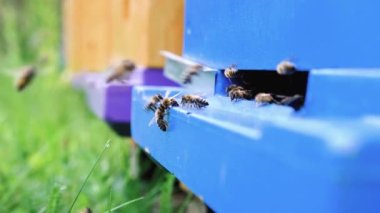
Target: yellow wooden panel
87,45
166,20
137,31
99,31
95,34
72,33
117,31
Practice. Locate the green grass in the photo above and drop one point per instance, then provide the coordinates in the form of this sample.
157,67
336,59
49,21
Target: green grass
49,140
48,144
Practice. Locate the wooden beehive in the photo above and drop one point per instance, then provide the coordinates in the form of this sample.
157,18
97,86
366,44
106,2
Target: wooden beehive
97,32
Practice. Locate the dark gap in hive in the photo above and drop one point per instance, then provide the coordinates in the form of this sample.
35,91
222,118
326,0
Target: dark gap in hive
264,81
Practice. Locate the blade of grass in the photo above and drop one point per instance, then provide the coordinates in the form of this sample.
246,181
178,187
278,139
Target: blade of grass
110,200
54,200
166,194
106,146
185,203
126,204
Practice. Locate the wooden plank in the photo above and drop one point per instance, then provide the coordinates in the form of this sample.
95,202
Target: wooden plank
166,29
118,14
97,32
71,33
137,31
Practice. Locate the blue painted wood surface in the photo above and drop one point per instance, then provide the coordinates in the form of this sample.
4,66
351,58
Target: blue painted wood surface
243,158
343,93
177,67
258,34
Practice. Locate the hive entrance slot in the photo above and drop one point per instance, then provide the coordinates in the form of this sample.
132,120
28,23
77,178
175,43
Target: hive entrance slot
263,81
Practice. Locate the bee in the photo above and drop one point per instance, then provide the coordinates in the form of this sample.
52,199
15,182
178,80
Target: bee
295,101
160,112
193,101
190,72
27,74
286,68
234,87
152,105
237,93
124,67
231,71
266,98
165,103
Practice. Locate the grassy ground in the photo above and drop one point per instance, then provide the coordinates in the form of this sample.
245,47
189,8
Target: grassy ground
48,138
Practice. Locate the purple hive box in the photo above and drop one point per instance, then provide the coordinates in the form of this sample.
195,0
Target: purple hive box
112,101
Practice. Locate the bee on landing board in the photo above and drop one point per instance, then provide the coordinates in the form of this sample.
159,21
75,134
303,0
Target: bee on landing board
27,75
193,101
265,98
121,69
152,104
286,68
238,93
295,101
190,72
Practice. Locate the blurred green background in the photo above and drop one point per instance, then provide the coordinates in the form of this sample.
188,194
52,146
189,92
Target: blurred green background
49,140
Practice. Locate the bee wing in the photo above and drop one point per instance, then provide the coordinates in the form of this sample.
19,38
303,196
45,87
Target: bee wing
167,93
152,121
201,94
123,81
174,96
10,73
128,75
41,73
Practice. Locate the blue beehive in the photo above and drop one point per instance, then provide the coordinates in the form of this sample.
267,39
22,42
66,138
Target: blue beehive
257,34
242,158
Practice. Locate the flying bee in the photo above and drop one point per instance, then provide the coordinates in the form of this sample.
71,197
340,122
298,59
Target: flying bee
295,101
165,105
124,67
238,93
286,68
231,72
190,72
86,210
27,74
193,101
162,124
152,105
159,115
